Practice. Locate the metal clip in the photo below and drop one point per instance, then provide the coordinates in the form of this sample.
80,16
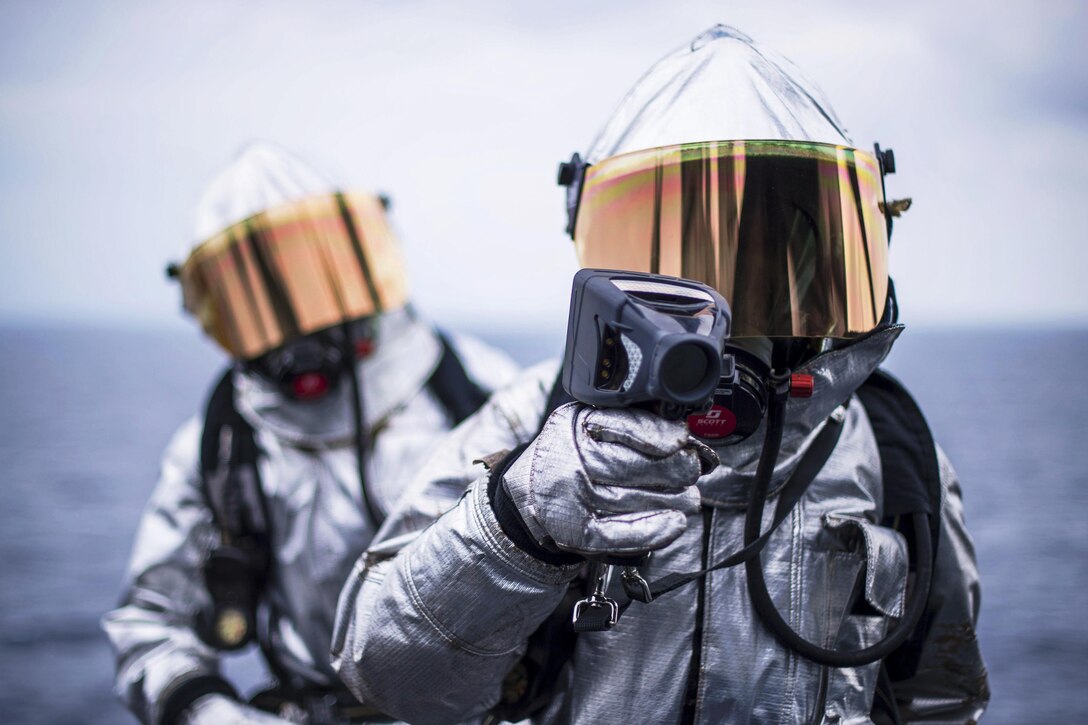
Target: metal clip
582,624
635,586
587,615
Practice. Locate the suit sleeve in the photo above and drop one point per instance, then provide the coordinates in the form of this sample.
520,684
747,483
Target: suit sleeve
429,635
161,662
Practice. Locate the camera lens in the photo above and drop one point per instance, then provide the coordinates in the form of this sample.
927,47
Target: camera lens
685,372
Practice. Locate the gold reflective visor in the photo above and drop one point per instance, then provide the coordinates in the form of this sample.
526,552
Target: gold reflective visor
792,234
292,270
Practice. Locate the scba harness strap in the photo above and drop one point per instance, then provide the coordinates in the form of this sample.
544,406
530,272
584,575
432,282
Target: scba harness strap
235,570
911,483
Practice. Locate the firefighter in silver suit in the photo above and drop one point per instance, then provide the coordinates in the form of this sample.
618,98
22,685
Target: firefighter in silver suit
725,165
336,390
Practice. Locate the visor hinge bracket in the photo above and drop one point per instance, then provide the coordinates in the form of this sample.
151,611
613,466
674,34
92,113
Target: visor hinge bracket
896,207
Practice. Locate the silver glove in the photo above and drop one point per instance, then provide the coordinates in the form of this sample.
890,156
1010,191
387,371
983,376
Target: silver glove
222,710
608,481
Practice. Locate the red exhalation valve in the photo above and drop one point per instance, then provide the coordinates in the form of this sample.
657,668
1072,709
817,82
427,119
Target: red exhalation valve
801,386
309,386
364,347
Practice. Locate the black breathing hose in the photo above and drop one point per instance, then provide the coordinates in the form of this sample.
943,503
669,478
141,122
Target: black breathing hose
372,511
757,587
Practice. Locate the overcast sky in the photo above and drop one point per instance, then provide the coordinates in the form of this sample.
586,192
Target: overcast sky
114,115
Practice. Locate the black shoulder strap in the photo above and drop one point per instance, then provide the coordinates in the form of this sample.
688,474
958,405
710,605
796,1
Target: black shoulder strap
458,393
908,453
912,483
218,412
234,568
228,465
225,440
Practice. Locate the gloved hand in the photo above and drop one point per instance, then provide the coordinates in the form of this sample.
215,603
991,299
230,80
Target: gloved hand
608,481
218,709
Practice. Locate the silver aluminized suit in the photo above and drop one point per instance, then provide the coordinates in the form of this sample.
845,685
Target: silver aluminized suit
318,525
429,634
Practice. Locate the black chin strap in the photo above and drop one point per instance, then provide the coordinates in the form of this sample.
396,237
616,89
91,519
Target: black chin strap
373,514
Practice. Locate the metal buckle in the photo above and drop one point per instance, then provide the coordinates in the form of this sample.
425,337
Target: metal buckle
600,575
597,601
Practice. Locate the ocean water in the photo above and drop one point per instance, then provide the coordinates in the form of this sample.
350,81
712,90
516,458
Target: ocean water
85,413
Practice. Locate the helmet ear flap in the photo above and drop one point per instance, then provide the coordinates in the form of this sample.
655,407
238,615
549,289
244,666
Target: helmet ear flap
571,175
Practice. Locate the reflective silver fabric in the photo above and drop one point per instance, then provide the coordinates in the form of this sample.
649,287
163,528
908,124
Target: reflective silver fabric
607,481
428,635
720,85
308,472
261,176
223,710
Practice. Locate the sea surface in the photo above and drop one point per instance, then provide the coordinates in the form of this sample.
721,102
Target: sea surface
85,413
